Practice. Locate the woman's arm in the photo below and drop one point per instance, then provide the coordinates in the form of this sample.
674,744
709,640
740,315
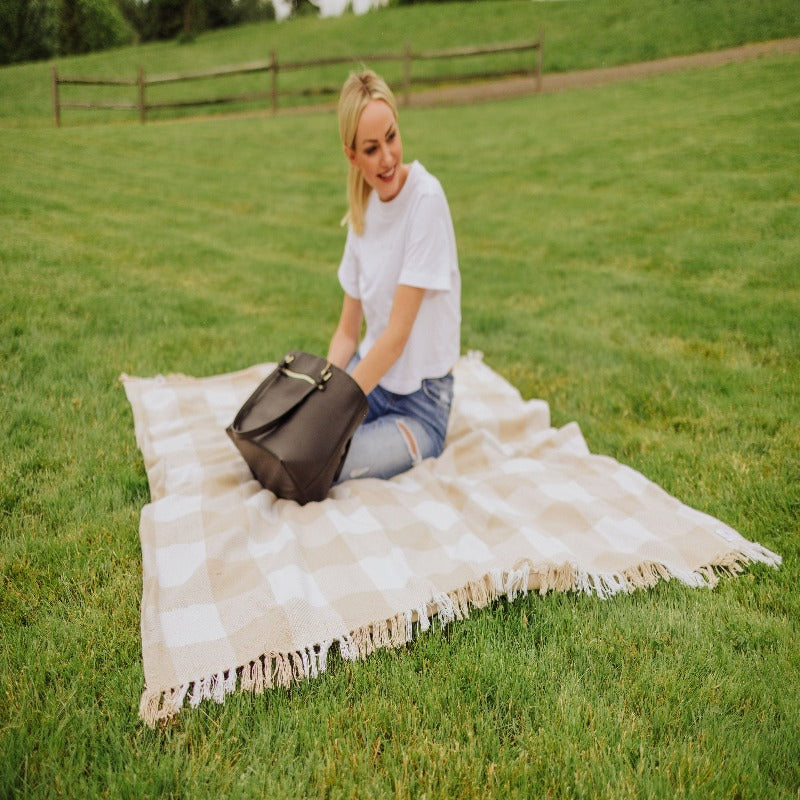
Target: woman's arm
345,339
391,343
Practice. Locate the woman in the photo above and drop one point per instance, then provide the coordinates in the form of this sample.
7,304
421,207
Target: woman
399,273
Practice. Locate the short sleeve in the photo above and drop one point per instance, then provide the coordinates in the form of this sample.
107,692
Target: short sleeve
348,268
429,256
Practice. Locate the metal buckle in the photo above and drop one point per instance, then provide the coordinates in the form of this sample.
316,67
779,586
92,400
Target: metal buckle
324,376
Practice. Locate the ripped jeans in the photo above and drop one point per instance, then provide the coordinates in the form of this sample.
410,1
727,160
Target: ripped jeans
399,430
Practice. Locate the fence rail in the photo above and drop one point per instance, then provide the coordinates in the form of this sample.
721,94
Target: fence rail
407,58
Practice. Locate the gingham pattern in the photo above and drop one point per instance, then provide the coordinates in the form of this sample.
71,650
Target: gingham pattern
243,590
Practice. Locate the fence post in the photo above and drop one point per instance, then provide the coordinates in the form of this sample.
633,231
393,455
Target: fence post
56,100
539,60
273,66
407,74
142,105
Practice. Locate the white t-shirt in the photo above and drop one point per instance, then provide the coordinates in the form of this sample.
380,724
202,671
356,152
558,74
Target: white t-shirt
410,241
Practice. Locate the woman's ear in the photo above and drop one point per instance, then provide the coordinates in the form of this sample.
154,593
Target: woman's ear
350,154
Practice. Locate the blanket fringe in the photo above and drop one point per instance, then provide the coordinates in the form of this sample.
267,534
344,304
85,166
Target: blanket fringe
284,669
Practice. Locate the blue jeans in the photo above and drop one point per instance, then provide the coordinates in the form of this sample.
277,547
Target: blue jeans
399,430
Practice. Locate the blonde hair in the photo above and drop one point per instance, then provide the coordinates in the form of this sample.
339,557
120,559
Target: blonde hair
358,90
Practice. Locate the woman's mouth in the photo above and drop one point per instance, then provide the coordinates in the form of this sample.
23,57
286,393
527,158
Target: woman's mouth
388,175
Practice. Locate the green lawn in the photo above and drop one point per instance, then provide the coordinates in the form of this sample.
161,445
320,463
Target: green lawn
629,254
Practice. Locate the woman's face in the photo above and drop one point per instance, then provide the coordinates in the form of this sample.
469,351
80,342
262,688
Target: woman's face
378,151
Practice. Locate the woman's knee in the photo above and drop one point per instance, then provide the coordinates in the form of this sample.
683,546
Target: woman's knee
387,447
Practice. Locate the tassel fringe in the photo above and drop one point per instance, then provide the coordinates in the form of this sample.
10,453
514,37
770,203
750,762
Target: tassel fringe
273,670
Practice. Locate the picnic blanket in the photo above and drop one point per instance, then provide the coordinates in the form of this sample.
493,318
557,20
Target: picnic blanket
245,591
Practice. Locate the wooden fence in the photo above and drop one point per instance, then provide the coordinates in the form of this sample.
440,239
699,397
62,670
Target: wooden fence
141,82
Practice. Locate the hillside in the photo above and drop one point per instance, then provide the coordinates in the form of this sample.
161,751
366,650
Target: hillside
578,35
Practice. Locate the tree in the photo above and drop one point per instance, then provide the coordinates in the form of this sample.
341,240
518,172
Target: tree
87,25
28,30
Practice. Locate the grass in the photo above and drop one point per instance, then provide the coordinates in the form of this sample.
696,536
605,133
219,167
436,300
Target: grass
578,35
629,254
